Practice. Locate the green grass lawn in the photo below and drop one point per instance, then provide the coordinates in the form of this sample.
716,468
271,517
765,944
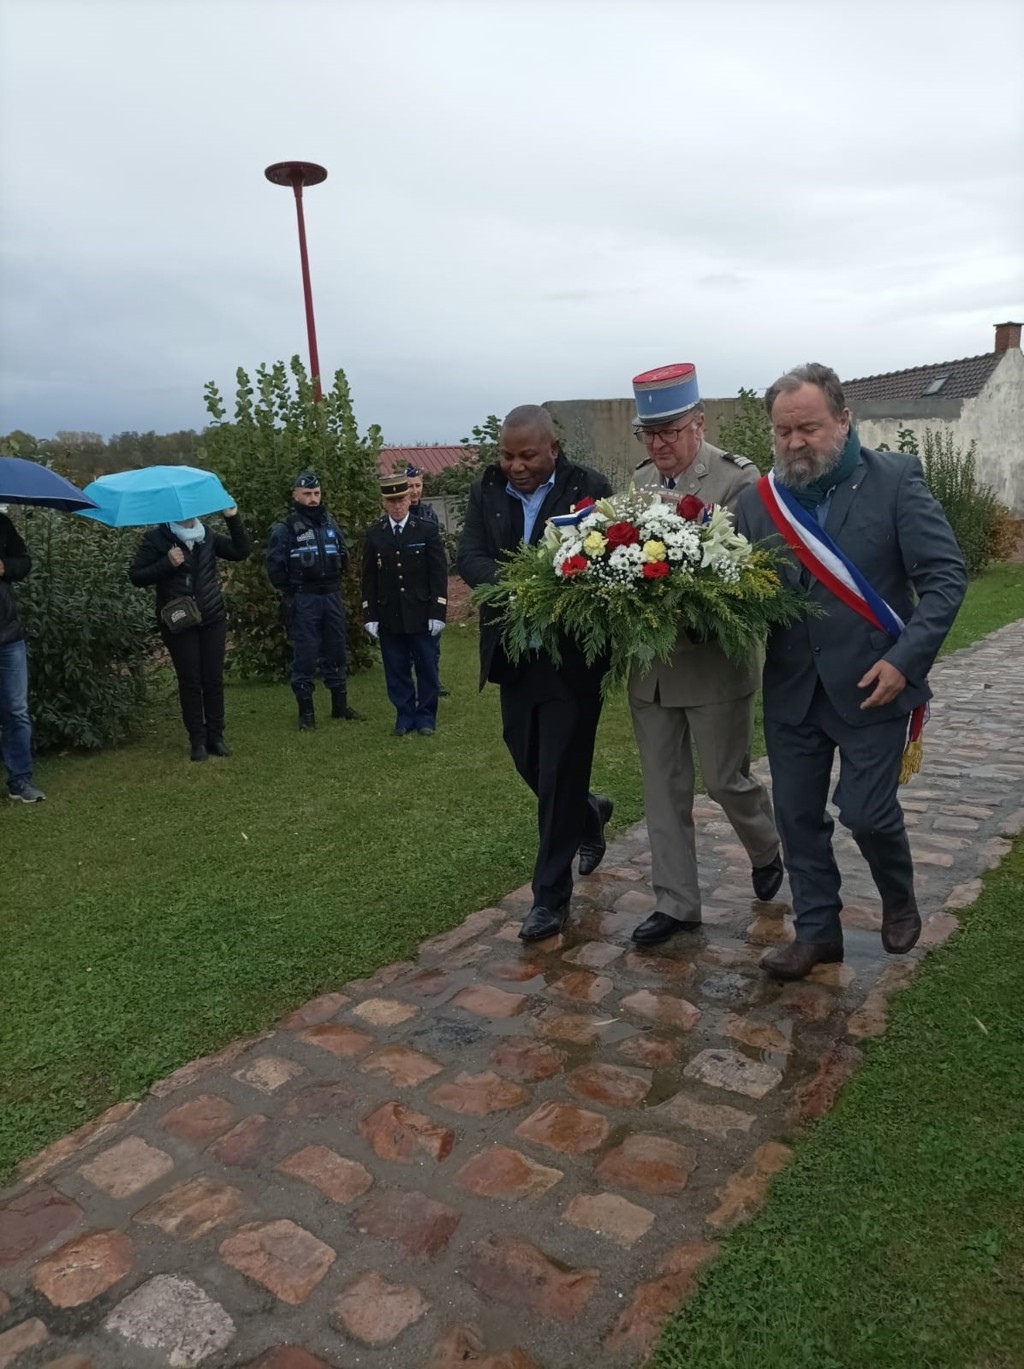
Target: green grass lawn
895,1239
154,909
993,599
161,908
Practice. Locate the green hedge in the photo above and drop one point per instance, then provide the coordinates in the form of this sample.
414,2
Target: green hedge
90,632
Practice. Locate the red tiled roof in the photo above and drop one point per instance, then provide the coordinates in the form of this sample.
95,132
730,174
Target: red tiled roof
430,460
964,379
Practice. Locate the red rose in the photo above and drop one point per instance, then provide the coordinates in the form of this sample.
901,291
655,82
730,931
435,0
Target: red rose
691,508
622,535
655,570
573,565
586,503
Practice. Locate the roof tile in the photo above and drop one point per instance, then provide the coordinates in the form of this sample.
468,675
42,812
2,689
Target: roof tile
430,460
964,379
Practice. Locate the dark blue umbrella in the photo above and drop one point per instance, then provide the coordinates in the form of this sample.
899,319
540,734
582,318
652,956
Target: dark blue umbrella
26,482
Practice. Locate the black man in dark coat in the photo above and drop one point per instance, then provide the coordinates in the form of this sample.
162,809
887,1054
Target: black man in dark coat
549,713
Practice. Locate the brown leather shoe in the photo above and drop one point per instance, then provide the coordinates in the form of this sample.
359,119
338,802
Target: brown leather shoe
900,931
799,958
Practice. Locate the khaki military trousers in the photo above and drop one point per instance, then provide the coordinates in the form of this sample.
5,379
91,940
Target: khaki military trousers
721,733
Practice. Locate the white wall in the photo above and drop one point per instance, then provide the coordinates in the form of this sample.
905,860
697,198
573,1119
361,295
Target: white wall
994,420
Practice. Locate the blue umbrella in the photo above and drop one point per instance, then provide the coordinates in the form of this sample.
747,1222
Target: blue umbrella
155,494
26,482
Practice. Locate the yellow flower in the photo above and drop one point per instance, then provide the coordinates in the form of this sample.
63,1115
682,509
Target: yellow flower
654,551
594,544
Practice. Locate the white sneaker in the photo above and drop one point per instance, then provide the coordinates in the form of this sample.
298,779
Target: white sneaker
28,793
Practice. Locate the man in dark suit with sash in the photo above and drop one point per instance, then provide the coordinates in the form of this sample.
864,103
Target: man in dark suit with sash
835,681
549,713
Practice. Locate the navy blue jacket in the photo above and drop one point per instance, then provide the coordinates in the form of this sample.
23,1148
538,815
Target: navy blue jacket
405,578
306,553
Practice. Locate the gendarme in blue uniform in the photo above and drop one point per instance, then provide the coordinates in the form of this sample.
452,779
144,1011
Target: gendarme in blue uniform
306,558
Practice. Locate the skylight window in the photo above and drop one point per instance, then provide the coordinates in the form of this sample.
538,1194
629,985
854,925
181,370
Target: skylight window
936,385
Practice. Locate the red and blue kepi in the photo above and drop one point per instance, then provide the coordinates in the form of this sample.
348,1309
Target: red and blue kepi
665,393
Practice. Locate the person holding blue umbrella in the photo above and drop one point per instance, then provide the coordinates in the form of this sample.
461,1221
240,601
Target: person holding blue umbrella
180,558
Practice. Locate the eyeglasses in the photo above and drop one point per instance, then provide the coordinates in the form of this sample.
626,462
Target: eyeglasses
647,436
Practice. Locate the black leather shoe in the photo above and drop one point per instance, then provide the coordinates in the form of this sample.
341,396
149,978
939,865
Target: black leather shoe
543,922
198,751
217,746
425,731
592,852
659,927
767,879
307,715
900,931
402,731
799,958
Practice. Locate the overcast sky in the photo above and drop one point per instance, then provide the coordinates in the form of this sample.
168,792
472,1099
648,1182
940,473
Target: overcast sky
527,199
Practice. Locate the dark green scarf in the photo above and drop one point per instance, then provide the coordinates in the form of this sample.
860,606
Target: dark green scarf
815,494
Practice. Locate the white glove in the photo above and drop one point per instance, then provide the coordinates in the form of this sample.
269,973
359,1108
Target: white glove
373,629
435,625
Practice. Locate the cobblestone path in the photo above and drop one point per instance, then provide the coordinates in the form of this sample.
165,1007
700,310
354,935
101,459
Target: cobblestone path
509,1157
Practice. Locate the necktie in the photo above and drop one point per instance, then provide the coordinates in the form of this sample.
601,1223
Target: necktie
671,482
396,528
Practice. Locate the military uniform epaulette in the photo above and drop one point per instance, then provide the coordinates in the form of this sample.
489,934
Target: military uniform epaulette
742,461
641,464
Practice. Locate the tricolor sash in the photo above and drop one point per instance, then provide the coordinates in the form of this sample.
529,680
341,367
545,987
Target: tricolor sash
829,564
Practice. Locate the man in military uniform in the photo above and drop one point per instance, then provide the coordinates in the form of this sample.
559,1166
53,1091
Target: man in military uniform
306,558
698,698
405,584
424,511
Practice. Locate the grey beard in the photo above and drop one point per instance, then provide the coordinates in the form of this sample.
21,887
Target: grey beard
800,469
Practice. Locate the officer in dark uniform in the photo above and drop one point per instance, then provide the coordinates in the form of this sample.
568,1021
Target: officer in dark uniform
306,558
405,584
416,505
421,510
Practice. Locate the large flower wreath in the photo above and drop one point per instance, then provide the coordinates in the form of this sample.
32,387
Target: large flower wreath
623,576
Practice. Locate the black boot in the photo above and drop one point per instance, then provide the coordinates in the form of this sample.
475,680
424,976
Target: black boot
340,708
307,718
199,752
217,746
892,868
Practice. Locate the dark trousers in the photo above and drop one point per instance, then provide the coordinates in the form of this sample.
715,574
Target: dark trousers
402,653
316,625
198,658
551,741
801,758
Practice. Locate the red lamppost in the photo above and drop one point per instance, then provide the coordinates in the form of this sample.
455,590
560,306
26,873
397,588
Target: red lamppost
298,174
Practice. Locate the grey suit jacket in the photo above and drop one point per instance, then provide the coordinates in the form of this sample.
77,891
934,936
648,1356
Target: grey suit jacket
887,522
700,672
